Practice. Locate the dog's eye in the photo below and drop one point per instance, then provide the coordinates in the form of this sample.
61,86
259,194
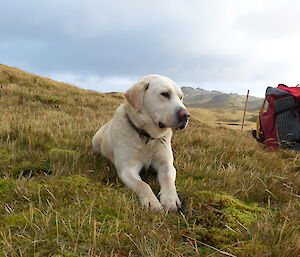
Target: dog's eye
181,98
166,95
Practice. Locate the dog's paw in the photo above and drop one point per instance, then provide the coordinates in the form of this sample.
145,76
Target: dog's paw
170,202
152,203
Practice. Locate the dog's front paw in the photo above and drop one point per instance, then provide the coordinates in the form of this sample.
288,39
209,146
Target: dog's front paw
152,203
170,202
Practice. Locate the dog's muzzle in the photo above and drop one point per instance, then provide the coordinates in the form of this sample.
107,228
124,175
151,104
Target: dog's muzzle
182,120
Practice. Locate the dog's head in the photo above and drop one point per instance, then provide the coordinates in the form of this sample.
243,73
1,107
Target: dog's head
161,99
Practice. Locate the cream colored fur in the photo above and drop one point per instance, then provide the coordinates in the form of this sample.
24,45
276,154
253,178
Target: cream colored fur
123,146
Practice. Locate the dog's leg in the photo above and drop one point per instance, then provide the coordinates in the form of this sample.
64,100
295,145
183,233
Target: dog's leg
130,177
166,174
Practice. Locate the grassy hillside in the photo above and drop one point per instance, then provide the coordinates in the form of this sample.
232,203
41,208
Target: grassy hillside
59,199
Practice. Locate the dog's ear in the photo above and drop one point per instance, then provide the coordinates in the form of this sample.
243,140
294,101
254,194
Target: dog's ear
135,94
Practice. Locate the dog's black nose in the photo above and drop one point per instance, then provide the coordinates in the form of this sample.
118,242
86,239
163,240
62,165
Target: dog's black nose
183,115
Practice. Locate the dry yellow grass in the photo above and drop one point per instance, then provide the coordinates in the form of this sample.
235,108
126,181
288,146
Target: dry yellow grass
231,119
58,199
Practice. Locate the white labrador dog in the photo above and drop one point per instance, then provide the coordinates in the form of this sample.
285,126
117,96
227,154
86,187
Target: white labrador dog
139,135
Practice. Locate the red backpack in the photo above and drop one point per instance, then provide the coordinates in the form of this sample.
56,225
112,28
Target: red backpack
279,124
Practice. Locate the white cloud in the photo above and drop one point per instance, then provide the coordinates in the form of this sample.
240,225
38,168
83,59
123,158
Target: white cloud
94,82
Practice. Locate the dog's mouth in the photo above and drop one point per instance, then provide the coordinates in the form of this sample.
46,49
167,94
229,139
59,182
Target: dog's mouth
181,125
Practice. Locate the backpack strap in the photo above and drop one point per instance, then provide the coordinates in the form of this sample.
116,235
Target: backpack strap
259,133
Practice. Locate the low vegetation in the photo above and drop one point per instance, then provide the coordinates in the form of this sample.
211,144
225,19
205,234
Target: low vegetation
57,198
225,118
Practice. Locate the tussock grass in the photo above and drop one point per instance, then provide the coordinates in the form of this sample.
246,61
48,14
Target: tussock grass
57,198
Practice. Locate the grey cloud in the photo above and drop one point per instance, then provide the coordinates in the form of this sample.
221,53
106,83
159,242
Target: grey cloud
140,45
190,41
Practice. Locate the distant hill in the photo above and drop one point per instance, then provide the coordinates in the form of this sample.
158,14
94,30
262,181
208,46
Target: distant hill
198,97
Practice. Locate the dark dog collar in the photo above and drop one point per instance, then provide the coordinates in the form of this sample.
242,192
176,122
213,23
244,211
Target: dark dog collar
142,133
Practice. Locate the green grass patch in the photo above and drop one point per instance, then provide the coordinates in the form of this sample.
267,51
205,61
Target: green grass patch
30,169
6,189
221,219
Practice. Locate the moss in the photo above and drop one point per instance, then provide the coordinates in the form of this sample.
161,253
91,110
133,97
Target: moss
64,157
75,182
242,212
30,169
16,220
68,186
221,219
66,190
109,214
6,189
246,217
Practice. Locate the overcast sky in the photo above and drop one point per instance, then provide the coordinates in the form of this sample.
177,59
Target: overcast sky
226,45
